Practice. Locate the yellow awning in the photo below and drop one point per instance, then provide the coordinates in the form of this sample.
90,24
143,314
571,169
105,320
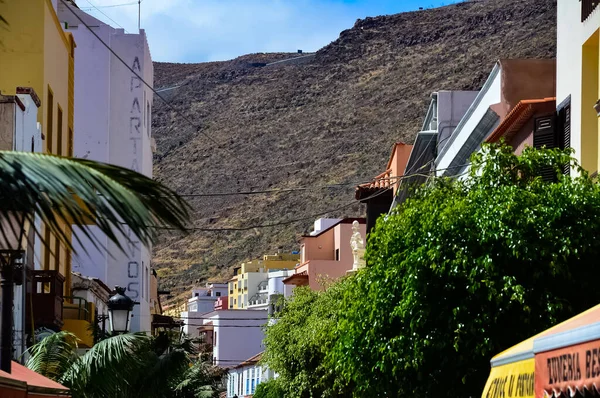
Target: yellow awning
516,379
517,363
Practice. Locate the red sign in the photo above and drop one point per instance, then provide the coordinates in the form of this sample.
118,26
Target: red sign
573,367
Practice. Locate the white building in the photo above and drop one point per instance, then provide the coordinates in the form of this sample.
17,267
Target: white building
446,110
270,291
243,379
236,334
20,131
112,125
201,303
509,82
577,82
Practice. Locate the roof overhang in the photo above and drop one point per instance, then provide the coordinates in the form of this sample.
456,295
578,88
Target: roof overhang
300,279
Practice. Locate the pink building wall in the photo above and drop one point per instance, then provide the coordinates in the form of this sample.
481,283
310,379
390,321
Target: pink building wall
320,263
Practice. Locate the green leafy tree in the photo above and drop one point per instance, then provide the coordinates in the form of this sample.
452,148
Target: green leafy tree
126,365
270,389
466,269
296,346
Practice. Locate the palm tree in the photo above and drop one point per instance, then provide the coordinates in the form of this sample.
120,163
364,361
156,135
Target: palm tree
127,365
66,191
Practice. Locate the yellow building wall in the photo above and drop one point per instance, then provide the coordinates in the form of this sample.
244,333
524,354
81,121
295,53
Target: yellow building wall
37,53
590,92
268,262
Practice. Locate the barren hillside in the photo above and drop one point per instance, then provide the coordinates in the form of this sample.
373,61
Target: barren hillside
330,120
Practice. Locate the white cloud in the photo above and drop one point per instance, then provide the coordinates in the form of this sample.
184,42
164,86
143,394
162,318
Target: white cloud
210,30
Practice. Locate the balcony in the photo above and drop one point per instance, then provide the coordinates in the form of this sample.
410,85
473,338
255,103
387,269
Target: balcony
263,287
587,7
46,301
78,318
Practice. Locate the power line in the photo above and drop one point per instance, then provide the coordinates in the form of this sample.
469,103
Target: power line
112,5
142,80
312,216
283,190
100,11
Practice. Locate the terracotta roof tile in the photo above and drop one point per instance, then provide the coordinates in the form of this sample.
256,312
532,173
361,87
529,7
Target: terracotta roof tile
517,117
35,380
250,361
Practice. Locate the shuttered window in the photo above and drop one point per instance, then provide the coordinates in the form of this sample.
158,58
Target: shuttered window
564,128
587,7
545,136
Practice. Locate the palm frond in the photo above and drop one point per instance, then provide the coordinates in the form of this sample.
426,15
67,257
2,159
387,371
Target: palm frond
163,373
107,369
201,380
54,355
74,191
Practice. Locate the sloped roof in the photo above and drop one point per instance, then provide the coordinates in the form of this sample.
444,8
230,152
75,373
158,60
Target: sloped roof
35,381
517,117
250,361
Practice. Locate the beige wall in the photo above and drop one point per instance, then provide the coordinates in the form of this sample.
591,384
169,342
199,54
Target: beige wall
321,247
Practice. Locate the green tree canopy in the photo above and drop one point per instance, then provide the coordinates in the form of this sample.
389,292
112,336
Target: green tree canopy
296,346
460,272
269,389
466,269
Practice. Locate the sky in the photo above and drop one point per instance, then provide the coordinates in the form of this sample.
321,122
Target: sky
218,30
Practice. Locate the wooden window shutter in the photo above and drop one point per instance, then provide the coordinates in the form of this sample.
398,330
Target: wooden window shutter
544,133
564,128
545,136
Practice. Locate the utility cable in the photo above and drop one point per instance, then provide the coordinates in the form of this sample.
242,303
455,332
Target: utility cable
111,5
100,11
137,75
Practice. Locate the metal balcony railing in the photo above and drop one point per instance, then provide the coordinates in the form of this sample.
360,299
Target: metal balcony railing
587,7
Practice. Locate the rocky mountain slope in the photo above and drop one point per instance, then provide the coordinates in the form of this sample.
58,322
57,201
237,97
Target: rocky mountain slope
330,120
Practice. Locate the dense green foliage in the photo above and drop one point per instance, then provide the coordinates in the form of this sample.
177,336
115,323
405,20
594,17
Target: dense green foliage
127,365
298,343
458,273
270,389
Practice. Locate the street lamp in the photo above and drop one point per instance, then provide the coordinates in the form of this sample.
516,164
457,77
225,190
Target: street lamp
119,310
13,225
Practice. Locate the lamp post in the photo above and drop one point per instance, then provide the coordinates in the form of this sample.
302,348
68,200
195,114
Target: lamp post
119,311
12,233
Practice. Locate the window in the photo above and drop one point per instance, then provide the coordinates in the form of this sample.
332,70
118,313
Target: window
247,385
49,120
545,135
215,338
218,294
564,116
337,254
197,294
59,132
587,7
